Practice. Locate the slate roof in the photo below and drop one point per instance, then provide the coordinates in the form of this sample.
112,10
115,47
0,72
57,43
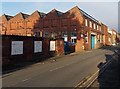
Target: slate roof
58,13
24,15
8,17
41,14
87,15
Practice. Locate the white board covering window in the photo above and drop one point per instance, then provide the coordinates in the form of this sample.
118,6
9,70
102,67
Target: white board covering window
94,26
16,47
37,46
97,27
90,24
52,45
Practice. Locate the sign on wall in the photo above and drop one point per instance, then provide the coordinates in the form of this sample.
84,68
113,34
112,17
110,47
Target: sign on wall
52,45
17,47
37,46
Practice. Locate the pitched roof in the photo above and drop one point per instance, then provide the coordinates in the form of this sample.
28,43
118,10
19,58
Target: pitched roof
89,16
86,14
7,17
40,14
58,13
24,15
21,15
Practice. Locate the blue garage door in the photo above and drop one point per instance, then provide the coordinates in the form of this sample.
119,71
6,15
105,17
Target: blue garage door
92,41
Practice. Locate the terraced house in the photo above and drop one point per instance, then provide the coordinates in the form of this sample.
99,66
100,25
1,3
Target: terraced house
75,26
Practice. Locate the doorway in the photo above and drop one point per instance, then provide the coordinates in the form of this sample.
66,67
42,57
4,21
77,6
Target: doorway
92,41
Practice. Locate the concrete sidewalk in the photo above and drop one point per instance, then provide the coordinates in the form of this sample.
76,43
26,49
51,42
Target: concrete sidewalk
109,78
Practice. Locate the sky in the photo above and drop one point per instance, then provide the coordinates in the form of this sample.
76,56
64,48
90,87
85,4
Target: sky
106,12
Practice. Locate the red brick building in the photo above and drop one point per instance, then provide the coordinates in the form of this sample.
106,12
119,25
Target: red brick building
105,29
75,26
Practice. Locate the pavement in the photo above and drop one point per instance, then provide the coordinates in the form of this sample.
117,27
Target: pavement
110,78
66,71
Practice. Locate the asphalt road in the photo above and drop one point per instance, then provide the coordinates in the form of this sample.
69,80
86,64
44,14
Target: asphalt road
67,71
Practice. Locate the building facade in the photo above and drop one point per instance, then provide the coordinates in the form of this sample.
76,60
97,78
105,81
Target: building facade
74,26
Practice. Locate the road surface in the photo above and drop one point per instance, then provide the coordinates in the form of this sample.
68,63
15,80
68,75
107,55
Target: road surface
67,71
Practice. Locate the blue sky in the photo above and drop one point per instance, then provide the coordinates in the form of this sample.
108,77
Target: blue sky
106,12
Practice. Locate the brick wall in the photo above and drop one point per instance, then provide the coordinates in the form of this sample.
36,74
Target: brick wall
71,21
28,49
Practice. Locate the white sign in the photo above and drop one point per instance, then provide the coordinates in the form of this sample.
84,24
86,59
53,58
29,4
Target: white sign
37,46
17,47
52,45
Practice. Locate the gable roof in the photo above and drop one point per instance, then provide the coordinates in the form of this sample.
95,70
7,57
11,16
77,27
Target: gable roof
89,16
7,17
56,12
24,15
40,14
73,12
86,14
21,16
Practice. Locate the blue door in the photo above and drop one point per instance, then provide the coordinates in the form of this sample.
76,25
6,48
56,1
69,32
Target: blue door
92,41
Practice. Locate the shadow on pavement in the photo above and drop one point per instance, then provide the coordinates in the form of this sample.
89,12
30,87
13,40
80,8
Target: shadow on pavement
110,77
18,65
111,48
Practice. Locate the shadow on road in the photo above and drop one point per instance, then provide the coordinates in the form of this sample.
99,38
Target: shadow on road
111,48
110,77
25,64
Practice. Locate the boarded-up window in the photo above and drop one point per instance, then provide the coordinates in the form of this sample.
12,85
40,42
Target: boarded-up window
97,27
16,47
37,46
52,45
91,24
